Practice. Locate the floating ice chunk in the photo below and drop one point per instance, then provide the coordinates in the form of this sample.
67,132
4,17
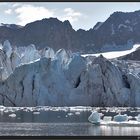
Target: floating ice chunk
130,117
12,115
94,117
101,114
80,108
121,118
138,118
6,111
107,118
70,114
26,110
77,113
36,113
2,108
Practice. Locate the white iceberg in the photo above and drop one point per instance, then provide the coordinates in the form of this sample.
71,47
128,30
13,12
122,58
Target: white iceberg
12,115
36,113
94,117
138,118
107,118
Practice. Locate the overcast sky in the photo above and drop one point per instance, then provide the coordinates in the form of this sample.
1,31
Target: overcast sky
80,14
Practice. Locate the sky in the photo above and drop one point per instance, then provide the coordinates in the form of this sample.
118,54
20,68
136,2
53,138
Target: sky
82,15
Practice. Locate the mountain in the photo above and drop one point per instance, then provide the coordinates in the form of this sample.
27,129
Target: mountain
132,56
119,32
47,32
31,77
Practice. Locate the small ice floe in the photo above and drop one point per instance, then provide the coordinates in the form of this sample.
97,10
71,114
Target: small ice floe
12,115
2,108
70,114
138,118
130,117
26,110
11,110
6,111
107,118
36,113
103,110
101,114
94,118
121,118
77,113
97,108
80,108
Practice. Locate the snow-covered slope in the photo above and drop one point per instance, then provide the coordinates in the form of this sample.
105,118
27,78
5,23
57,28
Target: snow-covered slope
64,79
115,54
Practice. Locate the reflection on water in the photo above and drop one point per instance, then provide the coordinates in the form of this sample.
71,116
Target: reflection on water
114,131
64,121
65,129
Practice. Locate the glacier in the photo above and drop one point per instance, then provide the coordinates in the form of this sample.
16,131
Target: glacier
31,77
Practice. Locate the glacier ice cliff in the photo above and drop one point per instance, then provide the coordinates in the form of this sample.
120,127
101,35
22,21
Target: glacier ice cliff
31,77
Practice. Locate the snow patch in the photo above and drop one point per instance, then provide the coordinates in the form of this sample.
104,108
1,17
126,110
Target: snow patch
125,26
112,29
122,25
98,26
114,54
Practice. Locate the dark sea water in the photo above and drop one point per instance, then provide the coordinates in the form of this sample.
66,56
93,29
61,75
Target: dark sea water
65,121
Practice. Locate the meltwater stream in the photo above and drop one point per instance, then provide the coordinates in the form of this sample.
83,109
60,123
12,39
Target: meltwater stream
65,121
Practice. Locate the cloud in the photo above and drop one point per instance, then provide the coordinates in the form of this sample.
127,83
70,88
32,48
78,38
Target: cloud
8,11
71,15
29,13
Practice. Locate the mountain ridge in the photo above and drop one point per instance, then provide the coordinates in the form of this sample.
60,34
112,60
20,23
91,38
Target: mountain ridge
120,31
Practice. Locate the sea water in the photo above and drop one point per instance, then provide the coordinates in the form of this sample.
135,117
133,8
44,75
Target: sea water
66,121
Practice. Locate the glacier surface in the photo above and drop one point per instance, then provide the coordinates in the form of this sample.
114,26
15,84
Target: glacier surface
31,77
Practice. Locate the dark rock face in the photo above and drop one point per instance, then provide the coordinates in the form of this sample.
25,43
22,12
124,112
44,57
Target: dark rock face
132,56
119,32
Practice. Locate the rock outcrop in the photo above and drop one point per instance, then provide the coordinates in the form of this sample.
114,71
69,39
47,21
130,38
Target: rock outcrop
132,56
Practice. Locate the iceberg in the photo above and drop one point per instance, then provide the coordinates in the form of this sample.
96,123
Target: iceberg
138,118
120,118
12,115
94,118
107,118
